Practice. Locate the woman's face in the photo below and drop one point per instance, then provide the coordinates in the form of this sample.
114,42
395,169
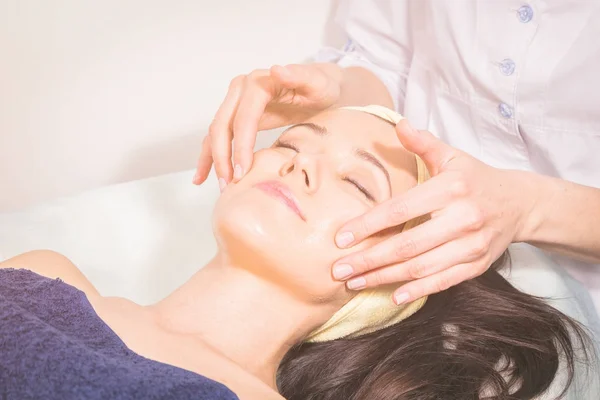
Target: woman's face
280,220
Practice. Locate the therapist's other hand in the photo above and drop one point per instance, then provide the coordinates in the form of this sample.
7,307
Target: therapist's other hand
476,212
263,99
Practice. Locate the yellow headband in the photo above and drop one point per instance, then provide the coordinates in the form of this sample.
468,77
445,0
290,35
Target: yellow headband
372,309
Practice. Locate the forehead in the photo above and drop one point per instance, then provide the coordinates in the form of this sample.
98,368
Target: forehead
351,130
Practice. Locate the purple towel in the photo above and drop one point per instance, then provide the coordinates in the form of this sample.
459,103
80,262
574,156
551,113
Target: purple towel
54,346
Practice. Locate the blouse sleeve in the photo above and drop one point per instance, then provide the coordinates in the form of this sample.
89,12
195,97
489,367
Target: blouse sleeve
378,36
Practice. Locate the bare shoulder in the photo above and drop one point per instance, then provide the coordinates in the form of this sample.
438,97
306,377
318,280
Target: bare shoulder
53,265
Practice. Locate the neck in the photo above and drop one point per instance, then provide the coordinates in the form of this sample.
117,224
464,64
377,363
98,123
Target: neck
247,319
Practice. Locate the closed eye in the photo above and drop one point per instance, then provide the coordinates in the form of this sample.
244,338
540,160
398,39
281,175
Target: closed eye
286,145
360,187
292,146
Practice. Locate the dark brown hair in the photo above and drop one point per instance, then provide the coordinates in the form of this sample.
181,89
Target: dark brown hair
482,339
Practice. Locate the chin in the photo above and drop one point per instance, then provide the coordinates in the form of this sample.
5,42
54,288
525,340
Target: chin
249,229
273,242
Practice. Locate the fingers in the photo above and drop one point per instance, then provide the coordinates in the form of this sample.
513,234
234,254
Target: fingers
439,282
446,256
258,92
220,131
285,77
296,76
418,201
204,162
243,111
399,248
260,88
432,150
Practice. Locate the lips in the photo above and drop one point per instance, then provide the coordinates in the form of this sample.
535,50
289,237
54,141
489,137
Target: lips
282,193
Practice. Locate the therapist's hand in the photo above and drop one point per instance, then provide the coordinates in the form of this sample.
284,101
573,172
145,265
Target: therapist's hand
476,212
263,99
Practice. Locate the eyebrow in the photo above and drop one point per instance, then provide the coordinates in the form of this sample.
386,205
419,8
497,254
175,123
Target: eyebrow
365,155
360,153
317,129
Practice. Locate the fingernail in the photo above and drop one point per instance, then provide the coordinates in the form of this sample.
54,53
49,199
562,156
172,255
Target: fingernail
222,184
401,298
357,283
342,271
344,239
195,178
238,172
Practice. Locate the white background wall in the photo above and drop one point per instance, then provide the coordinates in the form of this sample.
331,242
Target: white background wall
98,92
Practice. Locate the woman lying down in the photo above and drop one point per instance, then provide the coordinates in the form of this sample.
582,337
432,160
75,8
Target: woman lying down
265,320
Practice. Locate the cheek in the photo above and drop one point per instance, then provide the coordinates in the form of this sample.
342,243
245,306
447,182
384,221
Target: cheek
297,254
266,163
245,215
319,247
333,208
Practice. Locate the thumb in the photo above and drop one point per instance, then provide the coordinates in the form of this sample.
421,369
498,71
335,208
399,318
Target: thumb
296,76
432,150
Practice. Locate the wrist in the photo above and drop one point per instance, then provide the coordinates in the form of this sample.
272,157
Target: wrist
535,195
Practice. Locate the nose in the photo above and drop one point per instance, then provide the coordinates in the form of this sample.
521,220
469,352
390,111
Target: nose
304,168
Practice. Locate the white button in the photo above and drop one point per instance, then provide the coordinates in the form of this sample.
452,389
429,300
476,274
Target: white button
505,110
525,13
507,66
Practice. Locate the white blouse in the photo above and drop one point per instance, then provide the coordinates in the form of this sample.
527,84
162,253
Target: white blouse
514,83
